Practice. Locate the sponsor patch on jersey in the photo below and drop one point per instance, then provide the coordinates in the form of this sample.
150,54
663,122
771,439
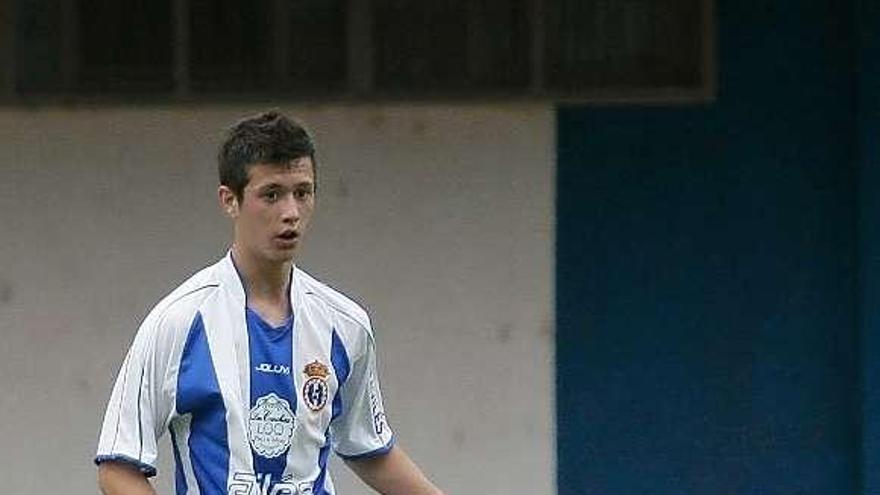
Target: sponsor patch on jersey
277,369
315,390
270,426
246,483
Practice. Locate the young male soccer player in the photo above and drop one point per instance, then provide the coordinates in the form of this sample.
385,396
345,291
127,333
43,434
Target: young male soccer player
257,369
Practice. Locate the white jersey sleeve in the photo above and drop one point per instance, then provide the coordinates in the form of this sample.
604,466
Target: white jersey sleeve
142,401
362,429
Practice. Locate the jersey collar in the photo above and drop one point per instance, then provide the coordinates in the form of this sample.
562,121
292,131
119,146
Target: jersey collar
231,280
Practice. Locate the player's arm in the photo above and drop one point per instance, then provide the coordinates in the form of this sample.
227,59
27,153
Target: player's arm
393,473
118,478
362,435
139,409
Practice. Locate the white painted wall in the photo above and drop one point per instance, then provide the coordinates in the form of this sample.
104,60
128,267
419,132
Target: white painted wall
438,219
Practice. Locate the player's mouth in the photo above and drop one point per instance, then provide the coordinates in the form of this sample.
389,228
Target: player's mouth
288,238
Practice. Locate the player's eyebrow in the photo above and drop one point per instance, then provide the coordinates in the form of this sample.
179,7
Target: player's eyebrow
270,186
278,186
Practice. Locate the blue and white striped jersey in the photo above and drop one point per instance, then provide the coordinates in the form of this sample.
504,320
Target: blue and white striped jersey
252,410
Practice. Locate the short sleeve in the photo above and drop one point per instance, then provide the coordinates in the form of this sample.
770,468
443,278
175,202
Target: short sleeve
362,429
141,402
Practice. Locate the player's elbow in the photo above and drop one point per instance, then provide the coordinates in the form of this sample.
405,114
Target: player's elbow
108,477
116,478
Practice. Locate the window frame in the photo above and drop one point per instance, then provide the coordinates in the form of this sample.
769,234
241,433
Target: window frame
359,81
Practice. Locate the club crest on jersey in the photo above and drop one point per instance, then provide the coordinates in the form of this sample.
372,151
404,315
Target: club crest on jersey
316,391
270,426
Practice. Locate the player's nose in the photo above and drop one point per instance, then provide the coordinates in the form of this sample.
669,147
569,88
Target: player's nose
290,210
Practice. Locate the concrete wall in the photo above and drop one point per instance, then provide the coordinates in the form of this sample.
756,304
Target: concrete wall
438,219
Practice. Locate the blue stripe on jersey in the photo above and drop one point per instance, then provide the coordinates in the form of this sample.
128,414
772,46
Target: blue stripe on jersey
198,393
341,367
318,487
179,476
271,357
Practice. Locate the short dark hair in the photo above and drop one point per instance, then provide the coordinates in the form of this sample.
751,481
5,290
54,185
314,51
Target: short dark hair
269,137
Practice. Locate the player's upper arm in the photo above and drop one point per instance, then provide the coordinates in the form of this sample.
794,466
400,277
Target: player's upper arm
142,401
361,430
117,478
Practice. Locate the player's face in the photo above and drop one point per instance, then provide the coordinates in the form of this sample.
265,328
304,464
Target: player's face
275,209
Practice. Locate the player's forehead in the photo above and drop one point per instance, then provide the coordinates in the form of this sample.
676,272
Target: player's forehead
290,174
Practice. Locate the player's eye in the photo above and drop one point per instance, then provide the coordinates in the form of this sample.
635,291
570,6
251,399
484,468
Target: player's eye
302,193
271,196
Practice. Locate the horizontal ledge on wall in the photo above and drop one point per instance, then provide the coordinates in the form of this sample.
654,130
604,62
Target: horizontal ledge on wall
670,96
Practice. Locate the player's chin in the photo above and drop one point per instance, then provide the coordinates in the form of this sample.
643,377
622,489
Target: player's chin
282,253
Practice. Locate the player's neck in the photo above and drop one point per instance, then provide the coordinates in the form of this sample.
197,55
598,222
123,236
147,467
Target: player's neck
266,282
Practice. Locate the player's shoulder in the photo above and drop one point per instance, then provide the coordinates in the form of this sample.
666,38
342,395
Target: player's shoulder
343,307
179,307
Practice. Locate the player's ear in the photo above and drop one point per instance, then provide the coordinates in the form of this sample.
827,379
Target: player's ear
228,201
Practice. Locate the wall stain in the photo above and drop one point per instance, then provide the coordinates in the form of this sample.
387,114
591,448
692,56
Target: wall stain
547,328
458,437
504,333
419,128
6,292
376,120
83,385
342,190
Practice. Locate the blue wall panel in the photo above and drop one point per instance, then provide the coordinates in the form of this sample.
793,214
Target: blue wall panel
706,274
869,158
